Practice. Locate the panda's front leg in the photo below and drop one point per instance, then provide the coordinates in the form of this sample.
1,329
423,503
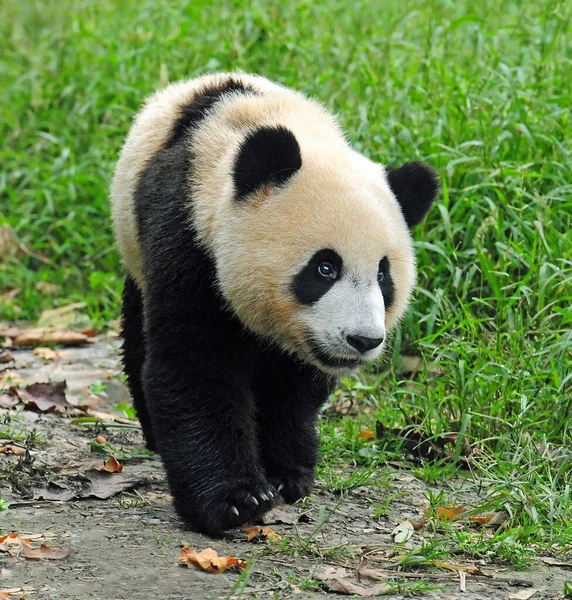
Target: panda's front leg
289,395
197,385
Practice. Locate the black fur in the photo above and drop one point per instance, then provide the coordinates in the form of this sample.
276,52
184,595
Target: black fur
134,354
415,186
194,113
268,155
309,286
386,282
232,418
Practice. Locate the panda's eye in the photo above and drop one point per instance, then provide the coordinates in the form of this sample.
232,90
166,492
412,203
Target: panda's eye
380,276
327,270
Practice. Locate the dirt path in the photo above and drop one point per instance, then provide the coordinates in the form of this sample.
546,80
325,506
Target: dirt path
126,546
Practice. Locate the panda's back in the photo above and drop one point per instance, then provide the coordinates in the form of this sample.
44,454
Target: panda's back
206,119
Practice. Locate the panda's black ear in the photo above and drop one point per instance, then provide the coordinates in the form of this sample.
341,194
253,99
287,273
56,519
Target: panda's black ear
268,155
415,186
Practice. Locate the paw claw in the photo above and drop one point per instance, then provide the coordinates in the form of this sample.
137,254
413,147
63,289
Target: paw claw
254,500
235,511
280,487
264,497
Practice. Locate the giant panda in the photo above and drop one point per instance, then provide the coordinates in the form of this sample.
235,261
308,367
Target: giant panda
265,258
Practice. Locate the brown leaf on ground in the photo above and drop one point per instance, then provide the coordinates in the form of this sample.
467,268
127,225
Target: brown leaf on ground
15,544
45,397
44,553
555,562
260,534
448,513
5,357
15,539
8,400
54,492
208,560
340,580
111,465
12,449
103,484
471,570
494,519
35,337
100,439
367,434
46,353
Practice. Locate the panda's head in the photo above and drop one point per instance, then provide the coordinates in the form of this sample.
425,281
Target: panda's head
314,250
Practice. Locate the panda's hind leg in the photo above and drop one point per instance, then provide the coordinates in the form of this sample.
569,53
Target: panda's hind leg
134,354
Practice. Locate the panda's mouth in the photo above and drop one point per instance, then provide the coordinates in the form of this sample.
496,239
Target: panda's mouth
334,362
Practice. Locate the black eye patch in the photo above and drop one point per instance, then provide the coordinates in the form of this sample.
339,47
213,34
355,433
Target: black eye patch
386,282
310,285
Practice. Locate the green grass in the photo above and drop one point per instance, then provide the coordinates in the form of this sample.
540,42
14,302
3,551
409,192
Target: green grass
480,90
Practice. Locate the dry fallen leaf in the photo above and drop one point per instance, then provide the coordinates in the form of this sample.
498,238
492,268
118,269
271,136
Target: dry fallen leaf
340,580
111,465
12,449
15,539
367,434
447,513
46,353
8,400
422,521
470,570
402,532
5,357
44,553
103,484
256,533
555,562
100,439
45,335
208,560
45,397
490,519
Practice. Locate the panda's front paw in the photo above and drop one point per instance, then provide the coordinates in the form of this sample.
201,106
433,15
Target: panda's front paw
233,505
293,484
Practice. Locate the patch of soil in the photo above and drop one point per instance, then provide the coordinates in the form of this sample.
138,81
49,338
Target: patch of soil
126,547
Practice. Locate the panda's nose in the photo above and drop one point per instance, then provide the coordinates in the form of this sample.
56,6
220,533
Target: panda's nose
362,343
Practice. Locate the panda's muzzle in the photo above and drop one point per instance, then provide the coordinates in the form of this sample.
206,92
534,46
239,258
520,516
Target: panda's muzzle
333,362
364,344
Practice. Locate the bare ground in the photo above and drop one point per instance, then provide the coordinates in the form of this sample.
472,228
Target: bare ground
126,546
